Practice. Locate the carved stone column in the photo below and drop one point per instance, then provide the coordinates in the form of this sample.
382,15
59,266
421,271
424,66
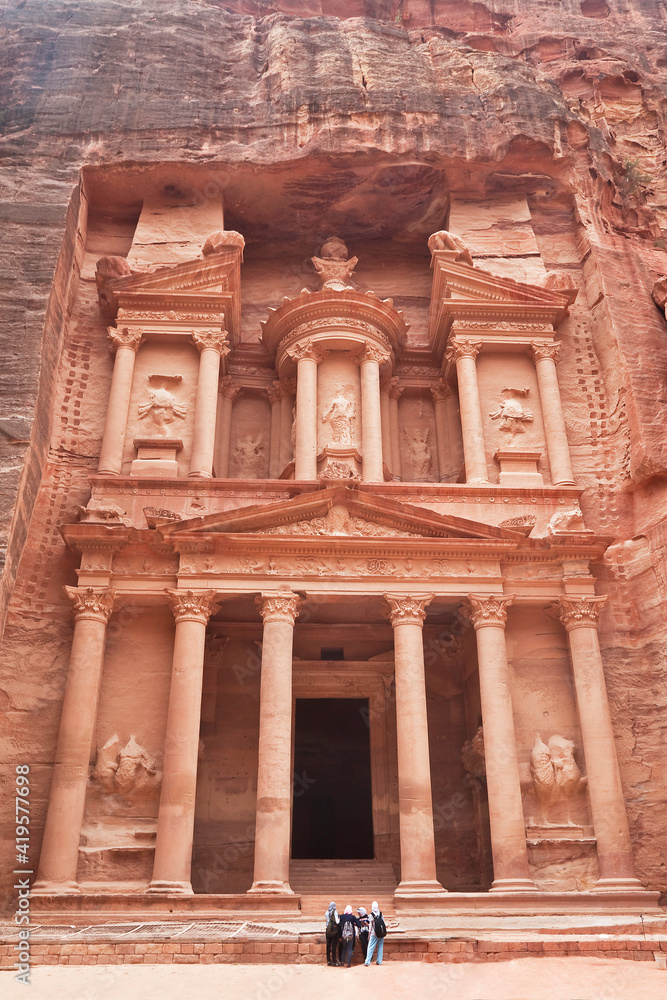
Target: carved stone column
385,416
307,357
212,346
126,343
176,816
395,392
228,393
273,392
616,866
371,417
441,393
415,803
508,836
558,449
60,845
464,353
274,765
287,389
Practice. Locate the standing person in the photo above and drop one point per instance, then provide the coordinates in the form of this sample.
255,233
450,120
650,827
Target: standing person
363,933
378,931
348,934
332,931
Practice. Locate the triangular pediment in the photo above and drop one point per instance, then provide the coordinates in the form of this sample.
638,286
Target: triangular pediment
204,274
343,512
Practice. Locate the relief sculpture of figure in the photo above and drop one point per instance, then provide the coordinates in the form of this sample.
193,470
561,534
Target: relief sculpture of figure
162,409
419,452
554,771
249,453
511,413
340,416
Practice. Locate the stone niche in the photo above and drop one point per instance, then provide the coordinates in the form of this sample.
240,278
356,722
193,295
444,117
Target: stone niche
419,452
249,437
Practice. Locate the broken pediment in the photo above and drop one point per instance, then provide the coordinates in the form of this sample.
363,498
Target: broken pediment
202,289
340,511
473,298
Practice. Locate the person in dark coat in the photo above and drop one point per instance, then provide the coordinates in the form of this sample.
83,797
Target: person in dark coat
332,930
349,925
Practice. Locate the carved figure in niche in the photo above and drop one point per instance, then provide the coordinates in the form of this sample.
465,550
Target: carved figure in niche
339,470
340,416
249,454
419,452
129,771
511,414
472,756
443,240
162,410
554,771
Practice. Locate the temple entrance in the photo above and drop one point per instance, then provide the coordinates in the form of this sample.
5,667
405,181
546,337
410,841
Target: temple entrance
332,813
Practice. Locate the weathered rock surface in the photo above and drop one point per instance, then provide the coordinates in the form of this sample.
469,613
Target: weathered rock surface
375,117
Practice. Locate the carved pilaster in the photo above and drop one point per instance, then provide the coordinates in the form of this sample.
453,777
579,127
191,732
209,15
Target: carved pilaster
463,348
489,610
125,338
545,351
186,605
96,605
407,609
578,612
279,607
214,340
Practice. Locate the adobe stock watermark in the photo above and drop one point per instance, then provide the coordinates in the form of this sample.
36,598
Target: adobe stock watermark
22,884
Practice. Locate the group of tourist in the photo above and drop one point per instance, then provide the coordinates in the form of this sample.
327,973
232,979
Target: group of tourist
342,933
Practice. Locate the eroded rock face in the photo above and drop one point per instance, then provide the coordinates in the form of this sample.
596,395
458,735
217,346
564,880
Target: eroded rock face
536,135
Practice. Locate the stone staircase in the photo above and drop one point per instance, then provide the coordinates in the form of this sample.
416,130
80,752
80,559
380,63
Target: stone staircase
355,882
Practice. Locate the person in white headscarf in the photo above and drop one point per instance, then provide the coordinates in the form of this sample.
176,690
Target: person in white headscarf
374,939
331,923
349,925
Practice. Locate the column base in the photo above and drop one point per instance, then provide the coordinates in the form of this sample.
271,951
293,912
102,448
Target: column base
272,885
564,482
477,482
513,885
618,885
107,472
419,887
164,887
199,475
43,887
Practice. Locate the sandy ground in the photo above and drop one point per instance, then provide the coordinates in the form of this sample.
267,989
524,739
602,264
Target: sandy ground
520,979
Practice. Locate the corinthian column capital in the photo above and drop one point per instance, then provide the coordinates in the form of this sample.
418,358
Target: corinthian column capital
463,348
278,607
228,389
187,605
90,603
542,352
125,338
578,612
215,340
371,353
489,610
407,609
307,349
441,391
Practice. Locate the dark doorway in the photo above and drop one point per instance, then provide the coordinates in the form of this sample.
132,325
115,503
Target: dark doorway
332,815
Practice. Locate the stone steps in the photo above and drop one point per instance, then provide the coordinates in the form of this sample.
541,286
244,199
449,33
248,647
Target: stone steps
355,882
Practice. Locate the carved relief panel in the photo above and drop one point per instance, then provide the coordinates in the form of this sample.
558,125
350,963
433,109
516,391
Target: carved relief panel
249,439
162,407
338,404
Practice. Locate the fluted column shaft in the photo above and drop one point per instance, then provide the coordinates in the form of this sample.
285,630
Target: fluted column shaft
464,353
385,416
615,863
441,393
172,865
274,764
394,395
273,393
126,343
60,845
371,417
228,393
305,450
212,346
508,837
558,449
415,803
